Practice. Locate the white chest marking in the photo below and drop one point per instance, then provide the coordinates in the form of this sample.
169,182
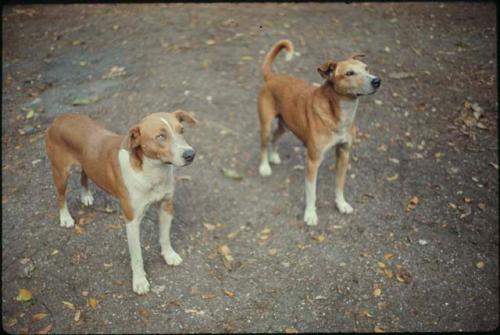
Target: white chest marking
347,115
150,185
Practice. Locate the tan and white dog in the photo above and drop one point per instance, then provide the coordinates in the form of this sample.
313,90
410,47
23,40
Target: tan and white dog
137,168
321,117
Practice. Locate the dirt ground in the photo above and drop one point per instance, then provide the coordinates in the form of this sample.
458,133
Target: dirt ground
429,134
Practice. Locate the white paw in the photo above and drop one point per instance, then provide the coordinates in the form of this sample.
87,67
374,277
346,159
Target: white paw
265,169
310,217
172,258
344,207
66,219
140,284
87,198
275,158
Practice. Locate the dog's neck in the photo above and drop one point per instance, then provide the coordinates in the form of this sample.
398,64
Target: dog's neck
343,107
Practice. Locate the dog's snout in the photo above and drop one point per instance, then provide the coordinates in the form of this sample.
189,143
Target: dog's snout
188,155
376,82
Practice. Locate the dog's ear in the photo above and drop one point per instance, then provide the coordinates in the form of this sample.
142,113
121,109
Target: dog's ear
184,116
326,69
357,56
133,136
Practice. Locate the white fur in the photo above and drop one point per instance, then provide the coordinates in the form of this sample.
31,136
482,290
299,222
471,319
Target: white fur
342,205
65,217
275,157
86,197
168,253
177,146
265,169
153,183
310,216
289,56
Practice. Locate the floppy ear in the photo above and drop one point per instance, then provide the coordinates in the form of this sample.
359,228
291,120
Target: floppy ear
133,136
357,56
184,116
327,69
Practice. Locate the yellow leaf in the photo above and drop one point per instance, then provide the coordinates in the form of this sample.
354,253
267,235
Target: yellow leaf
68,304
11,323
381,265
246,58
39,316
92,303
320,238
367,314
412,203
377,292
115,226
208,296
388,273
272,252
291,330
388,256
378,329
301,246
24,295
393,178
229,293
30,114
265,231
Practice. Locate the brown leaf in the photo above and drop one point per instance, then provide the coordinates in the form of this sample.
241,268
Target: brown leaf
144,312
378,329
412,203
77,316
229,293
381,265
39,316
68,305
45,330
367,314
207,296
403,277
388,256
11,322
79,229
272,252
209,226
388,273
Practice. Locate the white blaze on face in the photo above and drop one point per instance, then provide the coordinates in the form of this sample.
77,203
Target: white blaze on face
177,145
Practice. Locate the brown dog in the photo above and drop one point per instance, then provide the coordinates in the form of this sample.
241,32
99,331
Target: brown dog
321,117
137,168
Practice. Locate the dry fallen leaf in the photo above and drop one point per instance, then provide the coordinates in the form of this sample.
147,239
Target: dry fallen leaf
381,265
68,305
79,229
393,178
272,252
209,226
291,330
231,174
39,316
24,295
208,296
403,277
92,303
45,330
300,245
229,293
480,265
377,292
367,314
11,322
388,256
144,312
378,329
181,178
320,238
412,203
388,273
78,315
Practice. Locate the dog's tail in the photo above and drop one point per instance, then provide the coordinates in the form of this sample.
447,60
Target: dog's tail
271,55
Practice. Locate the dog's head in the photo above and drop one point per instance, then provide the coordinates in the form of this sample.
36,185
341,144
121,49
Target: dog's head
159,136
350,76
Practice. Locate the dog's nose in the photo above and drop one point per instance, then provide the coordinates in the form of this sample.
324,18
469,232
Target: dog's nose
188,155
376,82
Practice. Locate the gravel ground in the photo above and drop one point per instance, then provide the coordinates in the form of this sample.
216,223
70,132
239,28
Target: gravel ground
430,134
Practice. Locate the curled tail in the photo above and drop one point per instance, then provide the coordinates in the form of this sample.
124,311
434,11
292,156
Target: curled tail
271,55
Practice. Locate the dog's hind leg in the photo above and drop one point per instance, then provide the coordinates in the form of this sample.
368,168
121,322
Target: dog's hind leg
85,195
266,112
60,172
280,130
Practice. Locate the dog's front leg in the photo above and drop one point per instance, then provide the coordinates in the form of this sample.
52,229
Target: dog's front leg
139,282
313,163
165,215
342,161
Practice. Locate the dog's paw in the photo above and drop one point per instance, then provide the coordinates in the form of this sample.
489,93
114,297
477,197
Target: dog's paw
275,158
66,220
172,258
344,207
87,198
140,284
310,217
265,170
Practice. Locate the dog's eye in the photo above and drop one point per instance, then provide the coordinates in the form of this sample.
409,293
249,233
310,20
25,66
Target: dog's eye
160,138
349,73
